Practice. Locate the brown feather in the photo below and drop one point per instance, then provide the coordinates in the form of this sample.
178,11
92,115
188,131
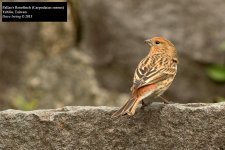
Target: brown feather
125,109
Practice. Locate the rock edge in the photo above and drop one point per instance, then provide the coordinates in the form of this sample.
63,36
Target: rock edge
158,126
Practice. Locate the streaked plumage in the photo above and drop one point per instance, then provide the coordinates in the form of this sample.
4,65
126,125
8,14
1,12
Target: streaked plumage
153,75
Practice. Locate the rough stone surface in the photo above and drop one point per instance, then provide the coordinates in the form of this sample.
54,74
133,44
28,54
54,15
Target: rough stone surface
114,33
158,126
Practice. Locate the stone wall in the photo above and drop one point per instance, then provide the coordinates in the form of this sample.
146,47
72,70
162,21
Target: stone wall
158,126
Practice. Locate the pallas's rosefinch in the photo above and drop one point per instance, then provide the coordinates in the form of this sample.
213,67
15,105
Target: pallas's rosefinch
153,75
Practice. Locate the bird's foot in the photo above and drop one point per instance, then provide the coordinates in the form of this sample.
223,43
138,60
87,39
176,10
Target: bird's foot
166,101
144,104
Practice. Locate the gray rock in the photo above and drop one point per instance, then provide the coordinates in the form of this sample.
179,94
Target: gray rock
65,79
158,126
39,64
114,34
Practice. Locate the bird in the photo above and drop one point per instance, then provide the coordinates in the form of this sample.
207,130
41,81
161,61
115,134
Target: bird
153,75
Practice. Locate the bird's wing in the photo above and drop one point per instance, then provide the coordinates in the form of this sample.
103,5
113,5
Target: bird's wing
154,71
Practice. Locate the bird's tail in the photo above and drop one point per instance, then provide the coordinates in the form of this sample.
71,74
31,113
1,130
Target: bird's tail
129,108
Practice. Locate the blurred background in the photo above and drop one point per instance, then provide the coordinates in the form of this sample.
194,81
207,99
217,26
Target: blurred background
90,60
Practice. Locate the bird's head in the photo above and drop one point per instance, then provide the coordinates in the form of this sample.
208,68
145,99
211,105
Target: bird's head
158,42
161,45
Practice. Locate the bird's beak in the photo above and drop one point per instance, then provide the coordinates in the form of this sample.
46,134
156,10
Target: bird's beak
149,42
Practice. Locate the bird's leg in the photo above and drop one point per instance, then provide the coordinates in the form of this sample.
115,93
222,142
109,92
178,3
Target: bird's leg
165,100
144,104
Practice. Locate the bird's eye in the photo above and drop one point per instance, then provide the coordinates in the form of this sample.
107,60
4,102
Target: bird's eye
157,42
